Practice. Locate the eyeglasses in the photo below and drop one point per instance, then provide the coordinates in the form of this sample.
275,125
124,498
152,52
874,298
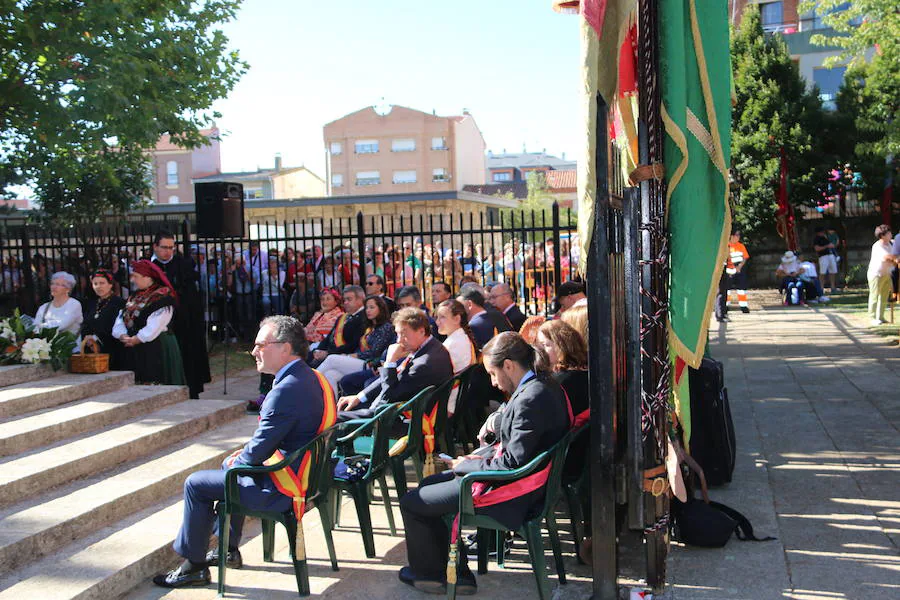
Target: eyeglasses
258,346
166,247
371,283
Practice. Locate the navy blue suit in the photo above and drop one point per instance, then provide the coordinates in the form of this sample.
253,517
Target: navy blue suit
430,365
483,328
288,419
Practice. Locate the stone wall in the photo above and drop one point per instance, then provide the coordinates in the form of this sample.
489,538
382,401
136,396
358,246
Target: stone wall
858,232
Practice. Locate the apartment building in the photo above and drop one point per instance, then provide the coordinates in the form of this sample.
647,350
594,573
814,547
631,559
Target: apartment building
782,17
174,168
277,183
402,150
515,167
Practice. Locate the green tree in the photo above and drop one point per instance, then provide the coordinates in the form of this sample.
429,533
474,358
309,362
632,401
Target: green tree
868,34
89,86
772,110
536,210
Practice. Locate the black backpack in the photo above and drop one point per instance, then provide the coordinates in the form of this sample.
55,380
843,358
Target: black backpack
697,523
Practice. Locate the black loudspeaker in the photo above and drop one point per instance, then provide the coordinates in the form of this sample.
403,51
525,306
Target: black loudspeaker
219,209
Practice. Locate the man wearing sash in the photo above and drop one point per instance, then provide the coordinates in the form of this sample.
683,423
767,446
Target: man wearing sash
300,406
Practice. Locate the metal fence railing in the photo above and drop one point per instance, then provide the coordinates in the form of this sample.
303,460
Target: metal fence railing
280,267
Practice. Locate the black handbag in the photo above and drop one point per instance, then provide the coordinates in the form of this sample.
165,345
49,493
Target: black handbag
710,525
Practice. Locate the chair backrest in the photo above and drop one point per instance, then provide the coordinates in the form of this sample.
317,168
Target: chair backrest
557,463
320,468
416,407
381,434
475,390
441,398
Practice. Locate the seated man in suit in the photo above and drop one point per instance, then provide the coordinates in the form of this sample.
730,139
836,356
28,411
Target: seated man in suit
501,297
480,322
349,328
299,407
417,361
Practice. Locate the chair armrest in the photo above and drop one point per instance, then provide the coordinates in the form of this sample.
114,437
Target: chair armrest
465,483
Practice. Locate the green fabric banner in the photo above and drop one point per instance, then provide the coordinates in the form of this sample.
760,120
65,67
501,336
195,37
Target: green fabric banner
696,94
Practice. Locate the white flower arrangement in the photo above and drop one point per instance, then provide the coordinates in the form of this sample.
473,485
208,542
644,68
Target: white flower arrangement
35,350
22,342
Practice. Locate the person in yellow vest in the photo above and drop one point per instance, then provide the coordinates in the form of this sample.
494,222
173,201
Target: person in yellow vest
736,269
300,406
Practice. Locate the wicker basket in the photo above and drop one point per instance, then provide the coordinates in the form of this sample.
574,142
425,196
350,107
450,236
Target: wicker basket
89,363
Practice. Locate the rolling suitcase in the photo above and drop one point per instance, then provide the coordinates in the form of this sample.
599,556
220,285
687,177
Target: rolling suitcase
712,430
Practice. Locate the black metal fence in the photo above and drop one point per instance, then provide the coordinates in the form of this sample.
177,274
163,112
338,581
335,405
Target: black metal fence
280,267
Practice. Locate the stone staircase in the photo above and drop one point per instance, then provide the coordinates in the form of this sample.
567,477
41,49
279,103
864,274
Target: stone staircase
91,472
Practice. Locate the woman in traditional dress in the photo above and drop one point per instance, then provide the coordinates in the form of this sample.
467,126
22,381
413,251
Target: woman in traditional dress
100,315
149,348
378,336
61,312
453,321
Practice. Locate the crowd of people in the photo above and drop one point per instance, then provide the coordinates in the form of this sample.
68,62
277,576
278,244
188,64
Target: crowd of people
370,350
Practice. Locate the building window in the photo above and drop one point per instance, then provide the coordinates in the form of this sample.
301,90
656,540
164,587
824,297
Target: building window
404,177
829,82
438,143
368,178
252,193
173,200
403,145
366,146
772,15
440,175
171,173
336,148
337,180
505,176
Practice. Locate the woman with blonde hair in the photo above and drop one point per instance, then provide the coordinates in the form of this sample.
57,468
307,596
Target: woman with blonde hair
577,317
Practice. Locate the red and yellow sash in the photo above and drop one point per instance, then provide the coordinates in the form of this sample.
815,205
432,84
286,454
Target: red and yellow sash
294,484
339,330
364,340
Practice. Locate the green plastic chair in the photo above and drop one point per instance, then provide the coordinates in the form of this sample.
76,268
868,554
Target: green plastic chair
415,439
463,426
379,429
530,529
573,488
320,450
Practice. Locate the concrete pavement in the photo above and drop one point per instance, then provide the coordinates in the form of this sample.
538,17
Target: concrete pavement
816,407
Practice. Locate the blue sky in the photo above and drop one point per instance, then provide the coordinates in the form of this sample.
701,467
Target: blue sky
514,64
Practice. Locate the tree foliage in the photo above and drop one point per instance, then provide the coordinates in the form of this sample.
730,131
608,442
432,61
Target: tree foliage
773,110
868,34
88,86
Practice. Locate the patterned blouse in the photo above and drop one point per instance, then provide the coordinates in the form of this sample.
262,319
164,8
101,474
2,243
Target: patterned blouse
376,341
321,324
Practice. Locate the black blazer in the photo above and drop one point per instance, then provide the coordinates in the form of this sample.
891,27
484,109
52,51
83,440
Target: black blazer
354,327
483,328
515,317
430,365
535,418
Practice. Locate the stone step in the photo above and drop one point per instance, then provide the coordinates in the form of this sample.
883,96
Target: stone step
42,525
19,434
106,564
15,374
24,397
37,471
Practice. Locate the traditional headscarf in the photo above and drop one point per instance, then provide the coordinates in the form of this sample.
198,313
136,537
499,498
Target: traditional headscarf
104,274
148,269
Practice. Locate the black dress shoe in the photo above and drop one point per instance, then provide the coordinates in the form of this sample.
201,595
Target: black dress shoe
465,584
745,310
177,579
233,559
252,408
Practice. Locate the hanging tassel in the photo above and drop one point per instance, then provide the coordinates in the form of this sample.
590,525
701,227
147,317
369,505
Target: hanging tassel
428,469
300,546
451,564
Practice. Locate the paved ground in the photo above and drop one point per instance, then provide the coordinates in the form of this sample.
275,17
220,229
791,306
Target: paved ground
816,410
816,405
